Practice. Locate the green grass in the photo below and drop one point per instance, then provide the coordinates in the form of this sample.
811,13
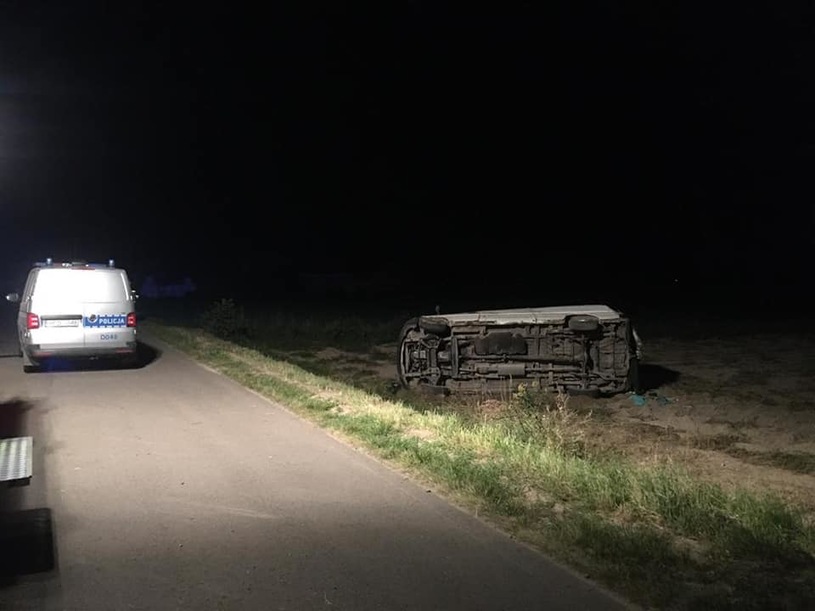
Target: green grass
656,535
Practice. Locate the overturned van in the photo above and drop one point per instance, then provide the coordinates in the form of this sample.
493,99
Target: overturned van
76,310
577,349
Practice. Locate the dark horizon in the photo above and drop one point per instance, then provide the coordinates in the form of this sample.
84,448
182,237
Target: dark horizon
612,151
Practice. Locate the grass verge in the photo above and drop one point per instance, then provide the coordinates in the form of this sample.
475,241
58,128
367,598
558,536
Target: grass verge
654,534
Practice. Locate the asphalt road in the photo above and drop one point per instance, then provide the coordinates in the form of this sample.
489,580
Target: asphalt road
171,487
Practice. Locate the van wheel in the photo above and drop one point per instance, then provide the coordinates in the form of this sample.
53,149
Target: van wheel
28,365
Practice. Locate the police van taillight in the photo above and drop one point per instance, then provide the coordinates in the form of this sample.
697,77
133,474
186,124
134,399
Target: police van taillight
131,319
32,321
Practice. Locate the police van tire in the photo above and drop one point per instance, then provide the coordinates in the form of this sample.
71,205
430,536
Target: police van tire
28,365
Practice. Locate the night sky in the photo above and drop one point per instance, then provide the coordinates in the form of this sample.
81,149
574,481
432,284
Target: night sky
515,145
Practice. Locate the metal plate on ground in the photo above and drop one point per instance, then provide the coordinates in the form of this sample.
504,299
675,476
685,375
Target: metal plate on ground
15,458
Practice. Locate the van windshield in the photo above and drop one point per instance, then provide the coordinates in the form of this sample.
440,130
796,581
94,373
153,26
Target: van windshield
98,286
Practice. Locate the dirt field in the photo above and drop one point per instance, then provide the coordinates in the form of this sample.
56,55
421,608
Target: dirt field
739,411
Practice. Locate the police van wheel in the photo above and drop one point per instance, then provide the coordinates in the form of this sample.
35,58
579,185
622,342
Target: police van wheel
28,365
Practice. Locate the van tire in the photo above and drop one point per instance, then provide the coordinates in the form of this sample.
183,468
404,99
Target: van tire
28,365
410,325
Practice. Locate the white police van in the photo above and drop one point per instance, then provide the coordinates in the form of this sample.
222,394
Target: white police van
76,310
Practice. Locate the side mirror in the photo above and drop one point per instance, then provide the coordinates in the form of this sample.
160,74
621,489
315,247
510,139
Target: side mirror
134,294
13,297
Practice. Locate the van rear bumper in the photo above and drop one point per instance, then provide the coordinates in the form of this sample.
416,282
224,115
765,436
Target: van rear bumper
38,352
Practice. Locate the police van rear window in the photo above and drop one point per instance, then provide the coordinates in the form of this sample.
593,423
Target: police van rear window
98,286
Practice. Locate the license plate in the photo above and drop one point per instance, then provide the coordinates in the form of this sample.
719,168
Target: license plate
61,323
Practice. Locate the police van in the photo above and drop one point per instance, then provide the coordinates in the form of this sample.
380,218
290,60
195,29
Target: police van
76,310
